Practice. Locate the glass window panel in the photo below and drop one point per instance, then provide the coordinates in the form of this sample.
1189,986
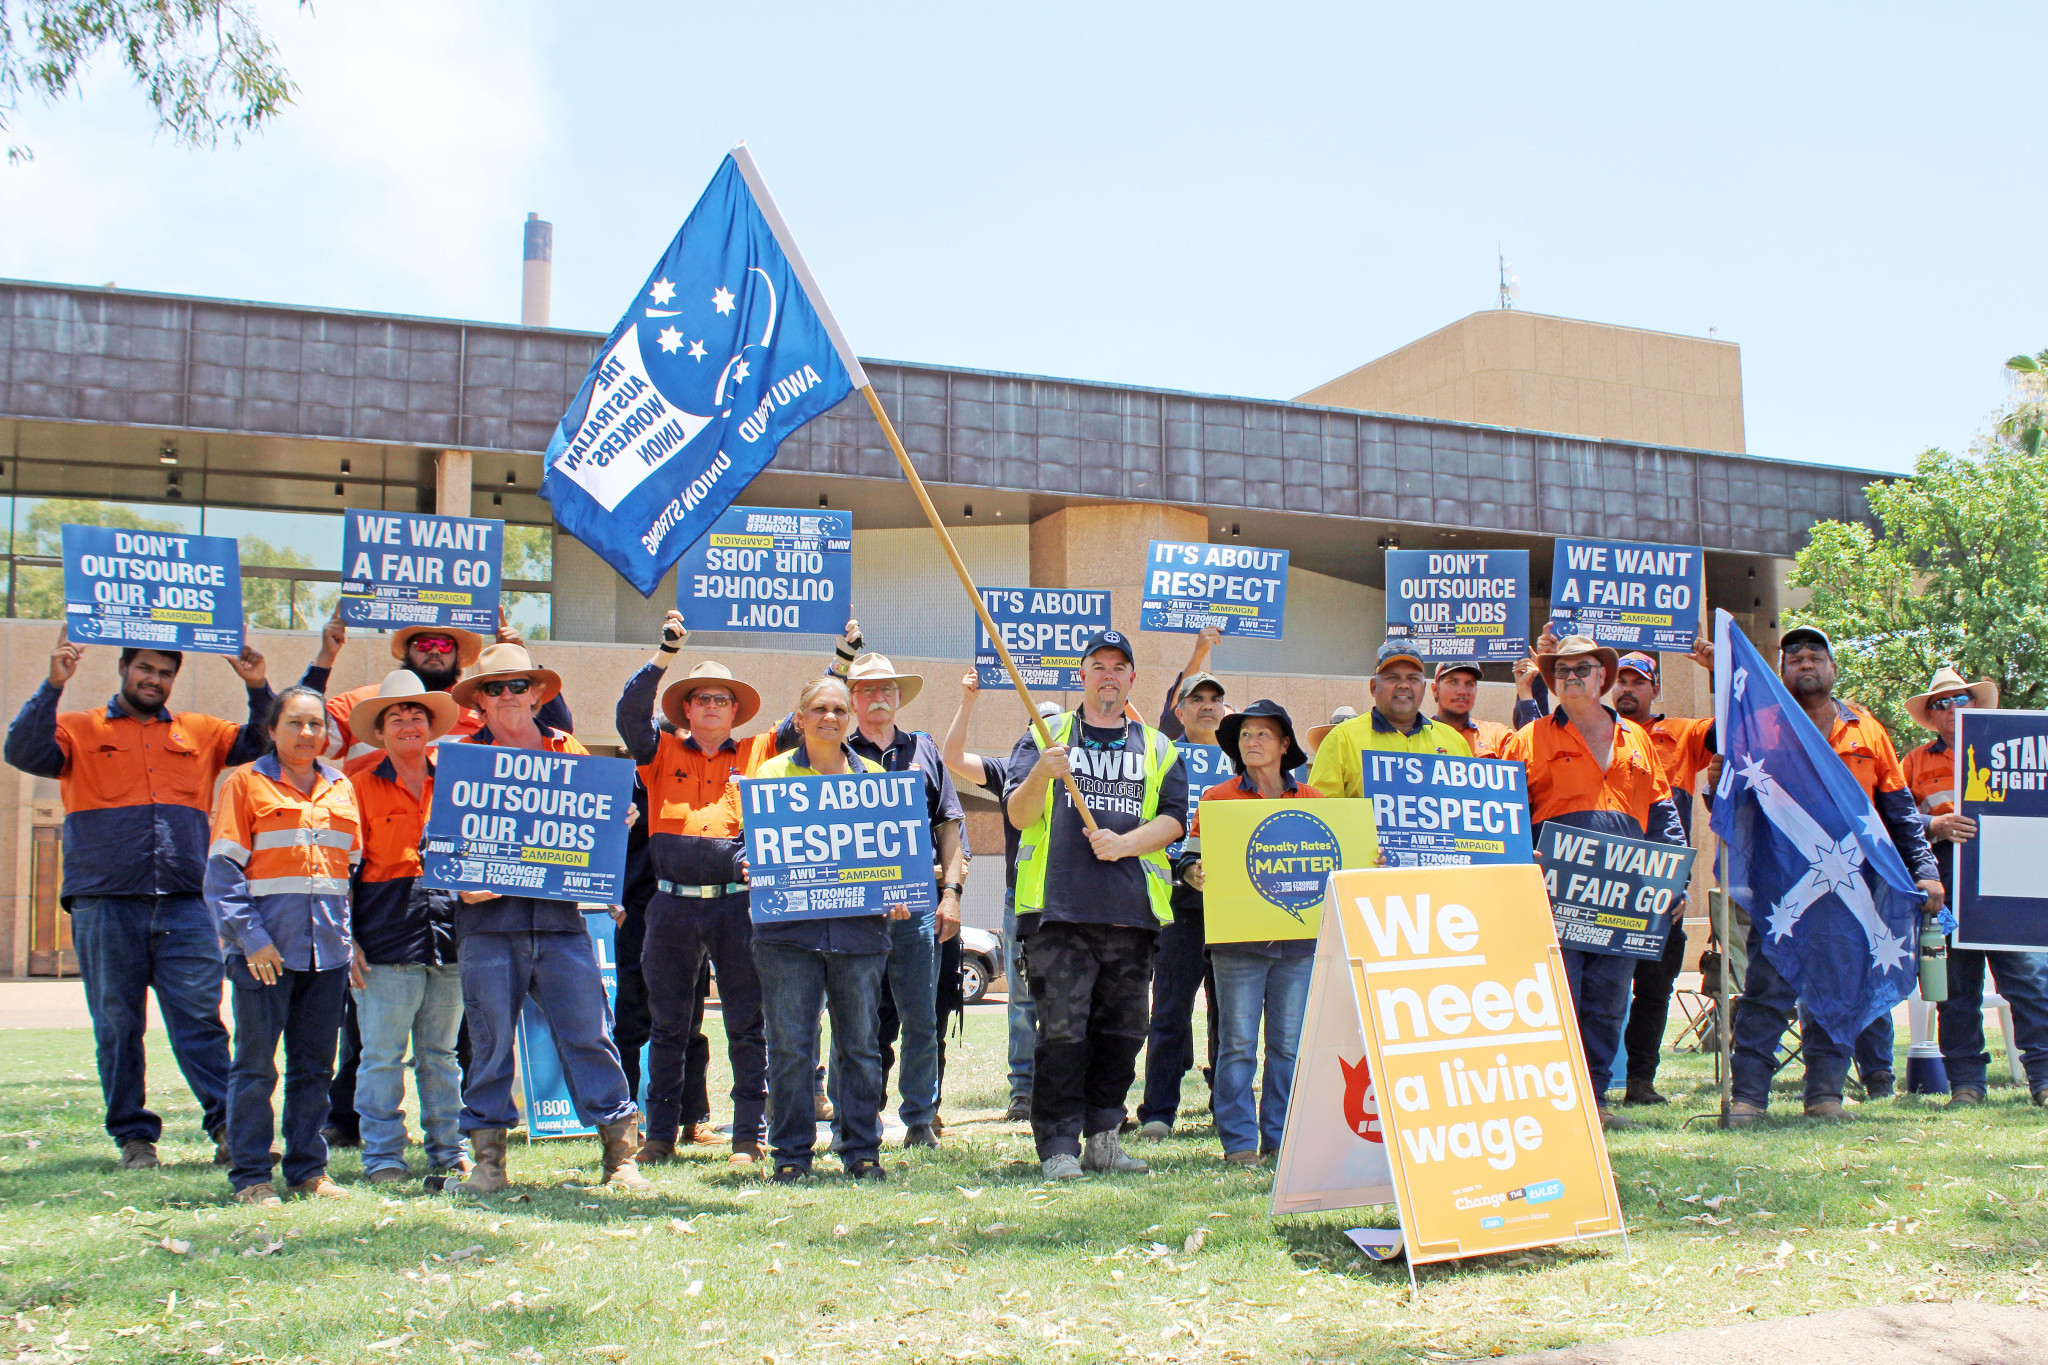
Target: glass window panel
313,603
267,603
39,522
38,593
531,613
281,540
530,553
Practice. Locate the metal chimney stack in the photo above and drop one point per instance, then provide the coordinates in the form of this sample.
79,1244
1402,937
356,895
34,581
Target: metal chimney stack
538,285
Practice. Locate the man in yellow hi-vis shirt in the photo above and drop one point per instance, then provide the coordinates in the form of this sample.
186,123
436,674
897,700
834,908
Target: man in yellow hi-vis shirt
1395,723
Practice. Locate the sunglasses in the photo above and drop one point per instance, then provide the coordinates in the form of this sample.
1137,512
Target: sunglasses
433,644
1574,670
712,698
1949,703
518,687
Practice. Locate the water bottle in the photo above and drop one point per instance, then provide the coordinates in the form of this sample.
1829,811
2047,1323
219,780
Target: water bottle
1933,963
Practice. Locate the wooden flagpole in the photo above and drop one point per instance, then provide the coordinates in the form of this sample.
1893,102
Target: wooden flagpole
973,594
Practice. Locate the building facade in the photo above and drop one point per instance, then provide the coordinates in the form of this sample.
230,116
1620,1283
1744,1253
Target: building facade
266,422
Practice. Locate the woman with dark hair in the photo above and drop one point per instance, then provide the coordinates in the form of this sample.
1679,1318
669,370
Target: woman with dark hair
285,836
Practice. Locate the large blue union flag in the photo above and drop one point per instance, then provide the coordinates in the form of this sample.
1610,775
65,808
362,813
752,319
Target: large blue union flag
727,349
1808,853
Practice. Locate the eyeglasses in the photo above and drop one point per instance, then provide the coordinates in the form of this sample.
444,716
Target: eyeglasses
433,644
712,698
1961,699
1575,670
518,687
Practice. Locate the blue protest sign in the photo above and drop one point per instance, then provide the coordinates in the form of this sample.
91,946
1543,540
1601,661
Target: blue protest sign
727,349
550,1112
1627,595
1044,629
1236,588
1610,895
770,570
1433,810
1205,765
155,589
2001,772
414,569
830,847
523,822
1470,605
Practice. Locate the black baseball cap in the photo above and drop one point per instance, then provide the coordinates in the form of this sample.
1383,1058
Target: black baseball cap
1110,639
1460,666
1806,635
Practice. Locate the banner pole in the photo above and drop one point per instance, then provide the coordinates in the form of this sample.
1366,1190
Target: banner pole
1727,1029
973,594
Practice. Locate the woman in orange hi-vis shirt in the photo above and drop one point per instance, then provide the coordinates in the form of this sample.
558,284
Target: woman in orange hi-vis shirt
285,835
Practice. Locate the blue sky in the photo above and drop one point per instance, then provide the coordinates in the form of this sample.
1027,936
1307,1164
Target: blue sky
1199,197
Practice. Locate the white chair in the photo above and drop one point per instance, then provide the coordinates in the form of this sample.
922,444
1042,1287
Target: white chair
1920,1023
1993,1001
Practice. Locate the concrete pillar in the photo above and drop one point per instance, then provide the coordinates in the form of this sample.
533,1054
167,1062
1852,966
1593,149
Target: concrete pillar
454,470
1103,546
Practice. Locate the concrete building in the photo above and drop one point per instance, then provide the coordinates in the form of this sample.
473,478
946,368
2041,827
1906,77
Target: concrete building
265,422
1508,368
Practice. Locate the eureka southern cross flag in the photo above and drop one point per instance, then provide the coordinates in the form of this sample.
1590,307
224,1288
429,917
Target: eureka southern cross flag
728,348
1808,853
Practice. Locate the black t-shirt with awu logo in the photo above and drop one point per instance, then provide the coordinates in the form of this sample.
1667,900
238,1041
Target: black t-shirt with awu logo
1109,767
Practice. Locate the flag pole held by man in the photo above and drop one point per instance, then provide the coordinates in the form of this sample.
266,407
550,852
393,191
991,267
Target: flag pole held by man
727,350
1821,865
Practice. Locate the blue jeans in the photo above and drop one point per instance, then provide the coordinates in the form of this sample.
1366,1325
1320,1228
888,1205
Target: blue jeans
303,1009
795,984
1023,1014
683,936
1761,1014
126,945
2023,981
1180,967
409,1003
1600,985
913,986
1251,987
558,968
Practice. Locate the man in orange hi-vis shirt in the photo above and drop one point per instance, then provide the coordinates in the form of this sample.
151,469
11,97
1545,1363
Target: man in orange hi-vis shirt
2022,977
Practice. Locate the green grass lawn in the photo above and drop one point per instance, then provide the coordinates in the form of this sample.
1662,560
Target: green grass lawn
965,1254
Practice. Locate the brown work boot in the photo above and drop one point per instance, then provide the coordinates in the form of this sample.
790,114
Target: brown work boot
621,1140
746,1153
703,1135
1743,1114
488,1145
1964,1095
319,1187
390,1175
263,1195
1830,1111
221,1155
1611,1120
654,1151
139,1154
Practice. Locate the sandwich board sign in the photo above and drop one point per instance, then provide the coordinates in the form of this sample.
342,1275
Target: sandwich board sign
1440,1068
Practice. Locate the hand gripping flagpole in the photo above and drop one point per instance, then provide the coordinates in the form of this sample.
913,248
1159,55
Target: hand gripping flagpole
787,241
1726,1031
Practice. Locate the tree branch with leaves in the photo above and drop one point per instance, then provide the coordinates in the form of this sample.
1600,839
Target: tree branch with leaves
205,66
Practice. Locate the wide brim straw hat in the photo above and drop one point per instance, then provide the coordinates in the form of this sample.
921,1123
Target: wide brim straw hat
505,662
468,644
1578,647
403,685
1316,734
1983,695
872,667
708,674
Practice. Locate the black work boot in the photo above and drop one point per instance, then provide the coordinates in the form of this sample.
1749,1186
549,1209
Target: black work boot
1642,1091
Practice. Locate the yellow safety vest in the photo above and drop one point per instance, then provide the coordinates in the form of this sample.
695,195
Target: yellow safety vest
1034,846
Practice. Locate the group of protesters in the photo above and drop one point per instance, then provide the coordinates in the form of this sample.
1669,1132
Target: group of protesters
283,856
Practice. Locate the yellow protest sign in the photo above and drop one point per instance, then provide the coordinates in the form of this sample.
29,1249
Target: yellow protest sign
1472,1081
1265,863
